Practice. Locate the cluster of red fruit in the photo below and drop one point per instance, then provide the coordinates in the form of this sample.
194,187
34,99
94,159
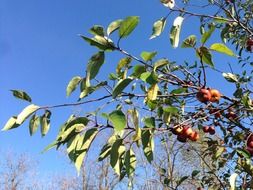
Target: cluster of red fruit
249,144
205,95
249,44
209,129
185,132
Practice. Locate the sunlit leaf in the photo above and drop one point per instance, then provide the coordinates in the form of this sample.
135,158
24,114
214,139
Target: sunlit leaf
138,70
82,146
130,162
152,92
113,26
149,122
121,86
100,42
73,84
45,122
189,42
116,157
160,63
148,144
93,67
207,34
10,124
148,56
149,77
34,124
158,27
222,48
232,181
97,30
175,31
230,77
118,120
28,111
128,25
205,55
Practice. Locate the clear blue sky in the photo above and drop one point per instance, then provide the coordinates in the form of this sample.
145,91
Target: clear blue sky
40,52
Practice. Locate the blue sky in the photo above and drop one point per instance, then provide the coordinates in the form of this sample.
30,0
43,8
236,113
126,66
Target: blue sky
40,51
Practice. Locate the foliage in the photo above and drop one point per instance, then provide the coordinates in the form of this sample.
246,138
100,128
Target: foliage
168,91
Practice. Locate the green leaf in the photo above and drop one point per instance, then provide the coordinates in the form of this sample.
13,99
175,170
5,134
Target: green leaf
113,26
28,111
230,77
160,63
152,92
10,124
45,122
243,153
106,150
121,86
82,146
34,124
71,128
97,30
149,122
100,42
118,120
219,152
149,77
138,70
182,179
148,56
195,173
93,67
207,34
124,62
128,25
222,48
158,27
116,157
179,91
130,162
73,84
21,95
175,31
171,110
148,144
206,56
189,42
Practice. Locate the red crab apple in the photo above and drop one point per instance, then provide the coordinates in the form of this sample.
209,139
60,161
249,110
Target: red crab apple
203,95
194,136
205,129
177,130
187,131
211,130
215,95
181,138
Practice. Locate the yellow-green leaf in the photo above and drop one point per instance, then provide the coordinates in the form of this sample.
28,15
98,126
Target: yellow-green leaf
128,25
113,26
10,124
158,27
152,92
222,48
29,110
73,84
118,120
175,31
